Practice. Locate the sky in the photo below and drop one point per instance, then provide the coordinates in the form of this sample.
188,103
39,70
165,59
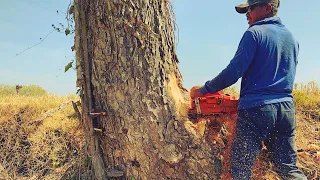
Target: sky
208,35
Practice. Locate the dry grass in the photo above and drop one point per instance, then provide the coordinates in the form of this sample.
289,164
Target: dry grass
40,136
307,100
234,90
29,90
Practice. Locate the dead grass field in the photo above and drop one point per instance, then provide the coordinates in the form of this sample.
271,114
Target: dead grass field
41,137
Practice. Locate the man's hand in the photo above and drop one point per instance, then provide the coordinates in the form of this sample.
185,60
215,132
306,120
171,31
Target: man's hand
195,92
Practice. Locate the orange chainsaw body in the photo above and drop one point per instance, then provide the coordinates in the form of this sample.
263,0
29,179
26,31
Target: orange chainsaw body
213,105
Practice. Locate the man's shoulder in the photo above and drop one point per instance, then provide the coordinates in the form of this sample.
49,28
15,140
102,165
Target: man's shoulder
251,32
256,28
261,30
265,30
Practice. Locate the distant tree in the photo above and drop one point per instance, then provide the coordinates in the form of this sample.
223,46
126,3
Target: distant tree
18,87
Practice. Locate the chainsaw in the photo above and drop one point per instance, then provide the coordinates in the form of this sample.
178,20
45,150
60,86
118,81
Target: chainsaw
212,105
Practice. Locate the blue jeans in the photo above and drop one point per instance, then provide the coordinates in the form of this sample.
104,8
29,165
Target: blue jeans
275,125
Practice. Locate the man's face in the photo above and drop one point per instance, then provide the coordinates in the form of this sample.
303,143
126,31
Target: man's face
258,12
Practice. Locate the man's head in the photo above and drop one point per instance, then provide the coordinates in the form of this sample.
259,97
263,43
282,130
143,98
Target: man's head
258,9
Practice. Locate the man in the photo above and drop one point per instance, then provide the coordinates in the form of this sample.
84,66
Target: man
266,60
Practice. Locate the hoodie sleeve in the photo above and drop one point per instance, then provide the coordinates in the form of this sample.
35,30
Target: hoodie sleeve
237,66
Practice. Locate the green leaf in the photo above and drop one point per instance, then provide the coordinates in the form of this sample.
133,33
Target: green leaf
68,66
67,31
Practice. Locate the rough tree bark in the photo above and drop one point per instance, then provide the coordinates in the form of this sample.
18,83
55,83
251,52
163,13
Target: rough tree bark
134,107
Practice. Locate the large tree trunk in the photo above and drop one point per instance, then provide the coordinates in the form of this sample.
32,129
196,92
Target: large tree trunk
132,92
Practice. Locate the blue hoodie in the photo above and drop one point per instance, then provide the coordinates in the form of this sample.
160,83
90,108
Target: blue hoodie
266,60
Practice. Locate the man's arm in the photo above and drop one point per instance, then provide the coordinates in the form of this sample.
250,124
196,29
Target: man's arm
237,67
